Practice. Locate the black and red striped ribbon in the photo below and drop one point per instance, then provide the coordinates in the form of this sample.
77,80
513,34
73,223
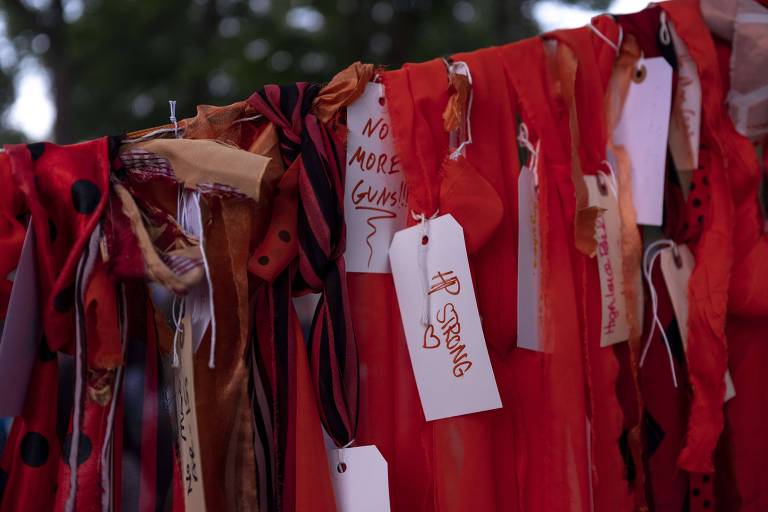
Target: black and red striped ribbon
320,267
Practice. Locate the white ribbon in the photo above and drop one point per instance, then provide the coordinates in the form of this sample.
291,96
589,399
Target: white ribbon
421,259
649,258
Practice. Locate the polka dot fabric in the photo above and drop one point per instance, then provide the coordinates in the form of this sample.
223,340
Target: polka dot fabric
698,202
65,190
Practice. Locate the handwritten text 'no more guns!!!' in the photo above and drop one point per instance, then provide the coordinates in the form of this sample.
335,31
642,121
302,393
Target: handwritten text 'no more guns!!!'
376,196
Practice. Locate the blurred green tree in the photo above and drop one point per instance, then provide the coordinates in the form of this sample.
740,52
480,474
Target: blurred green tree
114,64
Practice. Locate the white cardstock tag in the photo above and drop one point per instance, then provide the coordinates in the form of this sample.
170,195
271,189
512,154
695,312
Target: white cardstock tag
643,130
186,418
375,193
21,334
676,278
614,326
685,125
449,356
528,263
360,480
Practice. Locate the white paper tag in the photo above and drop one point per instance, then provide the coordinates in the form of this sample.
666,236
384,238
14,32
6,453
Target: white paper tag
730,391
186,418
360,480
375,193
676,278
643,130
449,356
685,125
614,325
21,333
528,263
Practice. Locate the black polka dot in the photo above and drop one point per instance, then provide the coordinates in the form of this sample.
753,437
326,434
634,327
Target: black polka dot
693,186
705,479
34,449
696,202
700,219
707,503
264,260
45,353
3,481
284,236
705,180
83,450
695,492
52,231
36,149
65,299
85,196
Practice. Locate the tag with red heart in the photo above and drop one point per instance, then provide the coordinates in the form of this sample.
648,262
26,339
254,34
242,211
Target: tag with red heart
441,320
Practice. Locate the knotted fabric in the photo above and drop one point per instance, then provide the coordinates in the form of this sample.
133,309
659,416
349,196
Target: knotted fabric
311,147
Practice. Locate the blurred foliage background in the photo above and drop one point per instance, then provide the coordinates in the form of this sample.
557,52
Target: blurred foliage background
113,64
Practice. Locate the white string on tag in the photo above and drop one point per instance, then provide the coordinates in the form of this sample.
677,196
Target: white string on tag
177,313
421,258
82,277
187,217
461,67
172,105
106,450
664,35
206,266
615,46
533,151
177,306
649,258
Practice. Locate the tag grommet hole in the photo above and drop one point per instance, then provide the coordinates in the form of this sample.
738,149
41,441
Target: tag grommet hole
341,467
639,74
601,185
424,240
382,101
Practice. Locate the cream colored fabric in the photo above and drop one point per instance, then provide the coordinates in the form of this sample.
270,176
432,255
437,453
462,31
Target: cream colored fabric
196,162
